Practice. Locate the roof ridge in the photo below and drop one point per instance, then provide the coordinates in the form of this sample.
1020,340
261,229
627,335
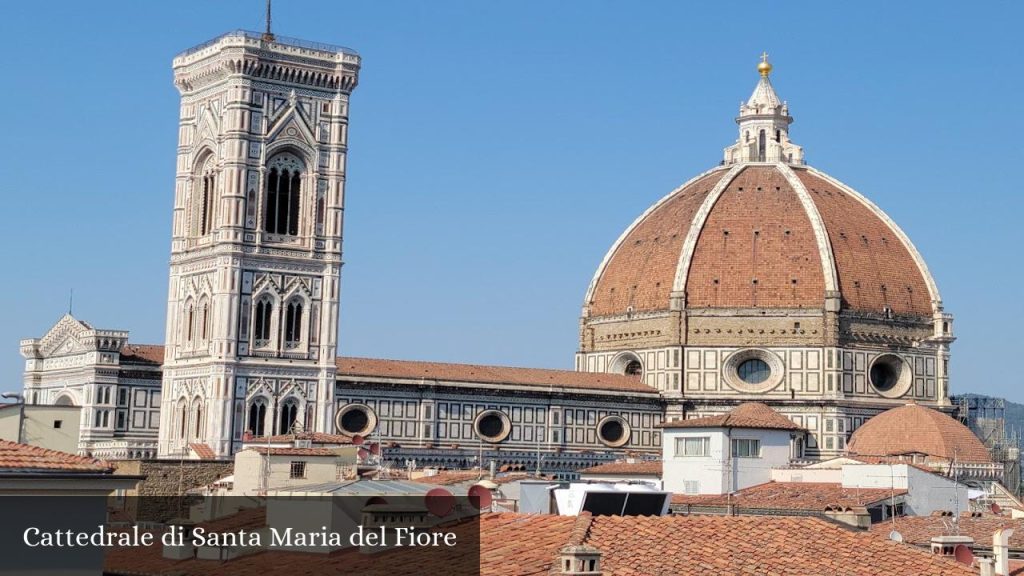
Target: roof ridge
580,529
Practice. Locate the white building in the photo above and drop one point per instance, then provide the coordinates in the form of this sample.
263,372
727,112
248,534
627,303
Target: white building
722,454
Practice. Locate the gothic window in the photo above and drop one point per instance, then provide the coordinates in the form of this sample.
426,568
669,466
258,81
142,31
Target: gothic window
289,414
257,417
262,315
284,187
197,417
293,324
204,319
206,191
182,414
190,321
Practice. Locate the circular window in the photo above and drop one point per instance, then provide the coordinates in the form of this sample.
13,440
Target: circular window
634,368
890,375
492,426
753,370
613,431
355,419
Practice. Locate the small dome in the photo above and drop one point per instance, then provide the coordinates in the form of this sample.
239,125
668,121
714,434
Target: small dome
914,429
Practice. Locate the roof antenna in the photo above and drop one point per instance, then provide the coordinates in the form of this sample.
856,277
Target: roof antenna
71,301
268,36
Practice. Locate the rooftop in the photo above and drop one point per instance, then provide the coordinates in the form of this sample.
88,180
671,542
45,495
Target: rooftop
282,40
746,415
919,530
446,372
21,458
916,429
288,451
803,496
644,467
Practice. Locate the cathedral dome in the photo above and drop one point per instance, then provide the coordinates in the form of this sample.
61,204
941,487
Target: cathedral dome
763,235
763,230
915,429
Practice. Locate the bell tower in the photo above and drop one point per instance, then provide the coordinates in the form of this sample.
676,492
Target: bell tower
252,306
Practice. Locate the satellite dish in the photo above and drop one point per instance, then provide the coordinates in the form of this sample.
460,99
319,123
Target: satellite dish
363,453
895,536
357,440
374,448
479,496
962,554
440,502
995,508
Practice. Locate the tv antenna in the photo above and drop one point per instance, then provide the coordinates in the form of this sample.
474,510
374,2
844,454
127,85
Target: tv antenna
268,36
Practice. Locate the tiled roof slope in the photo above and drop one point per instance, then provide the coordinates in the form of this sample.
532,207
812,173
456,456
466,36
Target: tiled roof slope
151,354
526,545
203,451
746,415
919,530
22,458
913,428
803,496
313,437
706,545
370,367
640,467
293,451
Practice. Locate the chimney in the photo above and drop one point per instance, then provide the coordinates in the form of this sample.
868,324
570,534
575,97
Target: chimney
581,560
180,547
1001,550
985,567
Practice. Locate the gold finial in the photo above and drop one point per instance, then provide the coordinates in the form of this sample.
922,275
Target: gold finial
764,67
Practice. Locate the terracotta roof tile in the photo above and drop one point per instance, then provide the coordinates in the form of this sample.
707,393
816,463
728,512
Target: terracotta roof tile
803,496
919,530
746,415
287,451
640,467
369,367
203,451
916,429
151,354
15,458
313,437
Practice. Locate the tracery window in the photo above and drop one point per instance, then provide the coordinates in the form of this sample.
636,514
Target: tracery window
284,187
293,324
206,184
257,417
289,414
190,321
262,315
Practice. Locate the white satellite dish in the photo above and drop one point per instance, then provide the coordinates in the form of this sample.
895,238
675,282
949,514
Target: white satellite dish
895,536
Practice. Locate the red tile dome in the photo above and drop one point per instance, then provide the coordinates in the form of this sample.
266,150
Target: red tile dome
914,429
763,235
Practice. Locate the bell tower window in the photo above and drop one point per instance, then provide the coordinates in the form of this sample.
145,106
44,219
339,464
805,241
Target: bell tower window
206,191
257,417
284,188
293,324
262,316
289,414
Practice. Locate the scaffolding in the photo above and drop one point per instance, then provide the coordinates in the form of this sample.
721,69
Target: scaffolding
986,418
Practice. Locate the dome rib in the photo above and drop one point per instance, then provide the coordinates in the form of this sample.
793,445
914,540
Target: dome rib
591,306
828,260
850,297
697,226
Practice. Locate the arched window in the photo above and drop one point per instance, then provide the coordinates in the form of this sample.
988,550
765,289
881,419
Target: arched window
293,324
284,187
761,146
262,315
257,417
206,183
182,413
190,321
197,417
289,413
204,319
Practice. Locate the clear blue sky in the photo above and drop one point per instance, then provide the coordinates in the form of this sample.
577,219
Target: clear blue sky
498,149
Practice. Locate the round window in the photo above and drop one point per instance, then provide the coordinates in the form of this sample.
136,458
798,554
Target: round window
890,375
355,419
492,426
634,368
753,371
613,431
